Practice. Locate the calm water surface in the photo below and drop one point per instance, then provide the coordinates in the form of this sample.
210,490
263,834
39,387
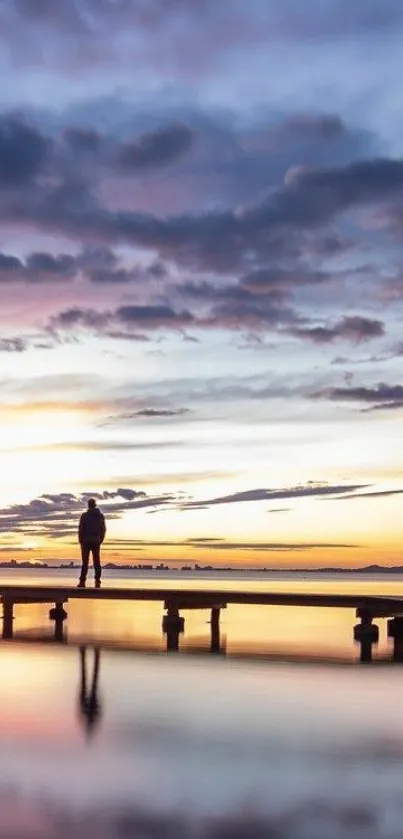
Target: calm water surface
276,737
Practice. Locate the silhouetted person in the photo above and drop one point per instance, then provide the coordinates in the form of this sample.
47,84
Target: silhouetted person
91,534
89,704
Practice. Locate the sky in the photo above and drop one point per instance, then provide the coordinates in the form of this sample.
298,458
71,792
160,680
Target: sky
201,216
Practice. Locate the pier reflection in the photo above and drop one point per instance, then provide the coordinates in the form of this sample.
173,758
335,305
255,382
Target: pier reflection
90,707
366,642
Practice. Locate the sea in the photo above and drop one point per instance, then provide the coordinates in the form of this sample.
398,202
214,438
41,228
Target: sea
280,732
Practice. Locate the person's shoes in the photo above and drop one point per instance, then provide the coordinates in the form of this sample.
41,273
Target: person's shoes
80,584
97,583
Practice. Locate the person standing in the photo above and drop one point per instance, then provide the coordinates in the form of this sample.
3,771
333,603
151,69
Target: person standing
91,534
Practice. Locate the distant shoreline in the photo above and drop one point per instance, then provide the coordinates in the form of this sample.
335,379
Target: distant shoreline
14,565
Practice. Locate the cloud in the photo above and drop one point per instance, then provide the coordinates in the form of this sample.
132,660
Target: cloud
220,545
276,277
96,264
55,516
311,489
228,308
43,165
150,317
179,37
82,139
380,494
350,328
44,264
158,148
13,345
23,152
280,510
156,413
380,397
222,240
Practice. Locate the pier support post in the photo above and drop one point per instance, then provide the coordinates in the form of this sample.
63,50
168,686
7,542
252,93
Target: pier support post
172,626
58,614
366,634
215,646
8,617
395,631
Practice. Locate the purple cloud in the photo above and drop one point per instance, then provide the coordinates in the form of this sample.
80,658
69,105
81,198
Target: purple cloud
350,328
307,491
380,397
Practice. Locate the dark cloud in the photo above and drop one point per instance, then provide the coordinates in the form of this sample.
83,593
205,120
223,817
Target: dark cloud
224,240
380,397
265,280
97,264
130,316
23,152
280,510
9,263
38,267
381,494
232,308
12,345
56,515
308,490
352,328
45,263
158,413
325,126
42,169
155,149
221,240
86,140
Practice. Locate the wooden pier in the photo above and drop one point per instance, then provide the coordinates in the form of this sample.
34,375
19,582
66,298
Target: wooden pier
175,601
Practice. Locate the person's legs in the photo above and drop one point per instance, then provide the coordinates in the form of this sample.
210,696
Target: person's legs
85,555
96,557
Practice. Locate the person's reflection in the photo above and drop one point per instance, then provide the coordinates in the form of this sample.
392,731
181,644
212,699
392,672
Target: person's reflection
90,709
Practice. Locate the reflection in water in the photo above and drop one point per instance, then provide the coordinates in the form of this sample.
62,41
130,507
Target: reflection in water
279,739
196,748
334,821
90,709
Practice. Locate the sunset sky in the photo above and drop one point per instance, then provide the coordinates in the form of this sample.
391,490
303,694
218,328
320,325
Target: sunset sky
201,217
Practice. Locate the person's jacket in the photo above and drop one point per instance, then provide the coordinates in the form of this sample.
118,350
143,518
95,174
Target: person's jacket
92,527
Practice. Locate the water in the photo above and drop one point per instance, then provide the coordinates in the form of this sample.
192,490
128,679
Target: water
283,735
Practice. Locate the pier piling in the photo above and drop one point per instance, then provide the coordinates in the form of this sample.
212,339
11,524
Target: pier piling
215,646
8,617
172,626
58,614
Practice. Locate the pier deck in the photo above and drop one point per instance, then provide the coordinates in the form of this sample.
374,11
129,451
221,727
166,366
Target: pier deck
379,606
367,607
